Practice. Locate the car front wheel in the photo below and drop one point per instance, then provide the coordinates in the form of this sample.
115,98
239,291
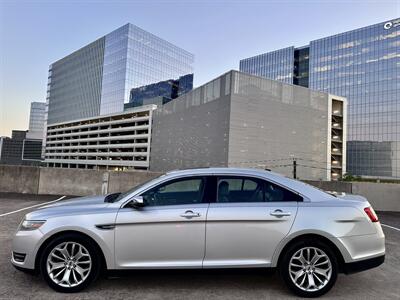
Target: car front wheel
309,268
70,263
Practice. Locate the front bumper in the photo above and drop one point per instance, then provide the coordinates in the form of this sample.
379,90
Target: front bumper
26,242
363,265
25,270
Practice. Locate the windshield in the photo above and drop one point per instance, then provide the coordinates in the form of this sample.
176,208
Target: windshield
122,195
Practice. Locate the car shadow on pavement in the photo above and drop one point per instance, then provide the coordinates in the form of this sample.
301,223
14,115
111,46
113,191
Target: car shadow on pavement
192,280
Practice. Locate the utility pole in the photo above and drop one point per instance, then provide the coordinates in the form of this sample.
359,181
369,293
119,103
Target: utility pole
294,168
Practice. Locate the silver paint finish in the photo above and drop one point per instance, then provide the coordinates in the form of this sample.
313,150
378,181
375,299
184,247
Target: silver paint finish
160,237
245,234
207,235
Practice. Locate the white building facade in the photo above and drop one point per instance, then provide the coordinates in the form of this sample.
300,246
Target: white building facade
113,142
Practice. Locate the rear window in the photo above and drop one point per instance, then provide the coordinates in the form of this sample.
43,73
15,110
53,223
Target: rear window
276,193
248,189
239,189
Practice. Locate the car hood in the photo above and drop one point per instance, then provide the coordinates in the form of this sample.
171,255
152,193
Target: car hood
81,205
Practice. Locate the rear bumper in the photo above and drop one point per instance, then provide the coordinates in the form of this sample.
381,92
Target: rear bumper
358,248
363,265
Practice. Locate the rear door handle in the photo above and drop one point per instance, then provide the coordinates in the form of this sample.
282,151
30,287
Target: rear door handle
279,213
190,214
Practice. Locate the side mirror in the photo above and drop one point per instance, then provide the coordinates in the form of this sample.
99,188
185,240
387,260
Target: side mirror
137,202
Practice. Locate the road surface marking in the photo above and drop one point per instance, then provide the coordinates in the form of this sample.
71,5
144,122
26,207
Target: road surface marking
398,229
36,205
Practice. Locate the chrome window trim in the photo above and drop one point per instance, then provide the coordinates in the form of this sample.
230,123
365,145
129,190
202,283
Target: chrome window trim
172,176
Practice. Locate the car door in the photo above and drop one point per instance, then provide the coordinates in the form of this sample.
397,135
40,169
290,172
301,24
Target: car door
169,231
249,218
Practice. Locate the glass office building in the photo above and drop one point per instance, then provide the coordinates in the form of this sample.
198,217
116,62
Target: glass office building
276,65
161,92
97,79
36,120
362,65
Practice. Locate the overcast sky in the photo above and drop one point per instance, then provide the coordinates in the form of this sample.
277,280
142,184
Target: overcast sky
34,34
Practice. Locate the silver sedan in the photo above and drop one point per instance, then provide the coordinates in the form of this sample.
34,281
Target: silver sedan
204,218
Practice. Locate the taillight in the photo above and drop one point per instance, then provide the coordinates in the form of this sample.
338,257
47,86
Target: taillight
371,214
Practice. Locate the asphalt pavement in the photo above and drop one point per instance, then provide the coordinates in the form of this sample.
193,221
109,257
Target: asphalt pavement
379,283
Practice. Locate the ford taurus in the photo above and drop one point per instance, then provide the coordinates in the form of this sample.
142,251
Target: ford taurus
204,218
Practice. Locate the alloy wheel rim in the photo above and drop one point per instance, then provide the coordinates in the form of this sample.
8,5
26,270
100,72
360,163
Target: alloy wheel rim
69,264
310,269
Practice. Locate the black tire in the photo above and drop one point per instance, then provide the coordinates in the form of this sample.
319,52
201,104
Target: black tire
285,273
92,249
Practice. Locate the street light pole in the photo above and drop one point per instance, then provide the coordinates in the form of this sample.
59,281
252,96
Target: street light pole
294,168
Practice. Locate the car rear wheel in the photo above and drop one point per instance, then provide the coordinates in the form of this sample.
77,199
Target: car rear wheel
70,263
309,268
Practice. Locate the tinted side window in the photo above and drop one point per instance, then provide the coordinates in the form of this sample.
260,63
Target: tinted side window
275,193
239,189
176,192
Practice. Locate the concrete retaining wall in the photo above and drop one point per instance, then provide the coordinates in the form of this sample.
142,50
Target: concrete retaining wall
80,182
19,179
76,182
382,196
337,186
123,181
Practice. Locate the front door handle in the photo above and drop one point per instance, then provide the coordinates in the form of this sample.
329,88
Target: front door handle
190,214
279,213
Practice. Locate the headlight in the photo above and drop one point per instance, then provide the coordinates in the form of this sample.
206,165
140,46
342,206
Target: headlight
30,224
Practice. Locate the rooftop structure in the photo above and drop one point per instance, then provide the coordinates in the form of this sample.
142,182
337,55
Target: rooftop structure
241,120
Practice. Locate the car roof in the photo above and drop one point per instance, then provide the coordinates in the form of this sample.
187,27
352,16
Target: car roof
213,170
230,171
